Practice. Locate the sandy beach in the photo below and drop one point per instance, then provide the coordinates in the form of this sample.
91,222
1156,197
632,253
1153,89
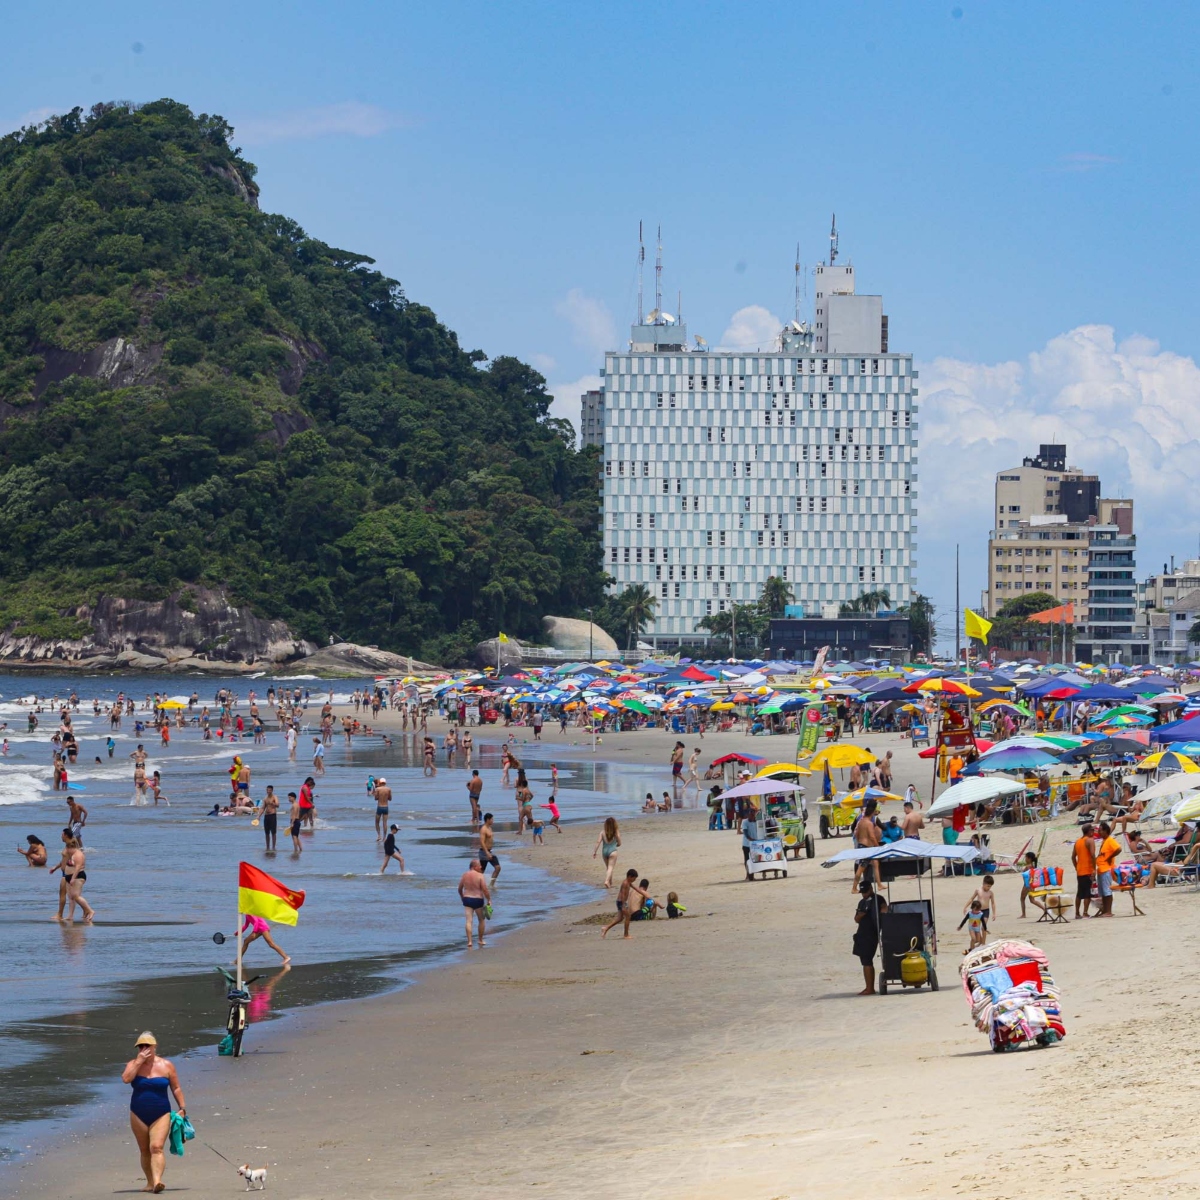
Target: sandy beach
724,1054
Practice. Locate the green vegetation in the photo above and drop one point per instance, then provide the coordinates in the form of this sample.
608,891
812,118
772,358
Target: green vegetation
279,419
1012,629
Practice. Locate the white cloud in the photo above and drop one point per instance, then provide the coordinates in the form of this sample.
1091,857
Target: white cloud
592,325
35,116
751,328
543,362
1127,411
349,118
567,398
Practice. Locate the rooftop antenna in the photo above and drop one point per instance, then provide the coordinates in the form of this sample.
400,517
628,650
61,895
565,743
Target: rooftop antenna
796,314
658,273
679,305
833,240
641,261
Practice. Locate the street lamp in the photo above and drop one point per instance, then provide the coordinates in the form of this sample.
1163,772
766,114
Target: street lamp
589,613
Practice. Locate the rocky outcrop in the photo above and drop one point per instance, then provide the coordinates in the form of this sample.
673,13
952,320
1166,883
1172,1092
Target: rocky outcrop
118,362
194,629
578,638
509,654
244,189
352,660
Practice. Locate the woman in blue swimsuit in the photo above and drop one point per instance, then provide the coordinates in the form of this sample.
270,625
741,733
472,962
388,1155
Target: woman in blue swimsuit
151,1078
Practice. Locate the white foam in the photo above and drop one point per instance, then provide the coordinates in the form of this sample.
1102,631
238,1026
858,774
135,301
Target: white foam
17,787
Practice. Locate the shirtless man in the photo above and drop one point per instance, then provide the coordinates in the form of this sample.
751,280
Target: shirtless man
243,785
912,822
677,765
383,798
487,842
270,816
474,894
474,788
866,833
77,820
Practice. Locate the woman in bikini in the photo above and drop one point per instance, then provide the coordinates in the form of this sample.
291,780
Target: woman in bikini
607,844
74,877
35,856
152,1078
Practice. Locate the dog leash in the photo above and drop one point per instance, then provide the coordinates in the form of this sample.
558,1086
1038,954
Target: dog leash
217,1152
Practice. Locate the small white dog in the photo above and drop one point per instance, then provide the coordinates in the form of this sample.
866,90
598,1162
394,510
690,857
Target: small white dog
253,1175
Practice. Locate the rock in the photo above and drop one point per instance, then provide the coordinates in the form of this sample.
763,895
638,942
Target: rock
571,636
351,660
510,654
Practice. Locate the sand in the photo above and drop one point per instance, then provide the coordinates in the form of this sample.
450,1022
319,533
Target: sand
724,1054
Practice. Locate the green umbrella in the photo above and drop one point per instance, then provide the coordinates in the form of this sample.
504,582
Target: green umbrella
769,710
1141,710
636,706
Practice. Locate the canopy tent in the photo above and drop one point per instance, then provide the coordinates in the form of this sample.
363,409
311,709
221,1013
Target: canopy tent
1187,730
973,791
904,848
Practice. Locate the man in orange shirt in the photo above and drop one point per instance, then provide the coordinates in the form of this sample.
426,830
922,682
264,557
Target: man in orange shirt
1106,859
1083,859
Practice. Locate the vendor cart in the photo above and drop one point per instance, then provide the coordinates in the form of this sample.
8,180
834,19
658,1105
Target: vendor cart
907,928
1013,996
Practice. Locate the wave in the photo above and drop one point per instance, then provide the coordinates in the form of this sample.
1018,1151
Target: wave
17,787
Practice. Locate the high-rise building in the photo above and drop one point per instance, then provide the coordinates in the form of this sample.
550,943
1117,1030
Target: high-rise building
591,418
1055,533
724,467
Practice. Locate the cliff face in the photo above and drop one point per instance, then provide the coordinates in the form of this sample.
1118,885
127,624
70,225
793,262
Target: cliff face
195,628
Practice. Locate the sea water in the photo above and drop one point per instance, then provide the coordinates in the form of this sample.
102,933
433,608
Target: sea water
163,879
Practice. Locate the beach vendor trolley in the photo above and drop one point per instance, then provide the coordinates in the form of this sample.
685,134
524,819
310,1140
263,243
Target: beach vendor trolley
907,928
1013,996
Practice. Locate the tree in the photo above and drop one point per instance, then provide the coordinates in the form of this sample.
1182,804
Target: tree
1020,607
777,594
751,621
919,611
638,606
867,604
1012,629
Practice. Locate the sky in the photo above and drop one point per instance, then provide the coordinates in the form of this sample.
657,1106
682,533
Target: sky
1018,181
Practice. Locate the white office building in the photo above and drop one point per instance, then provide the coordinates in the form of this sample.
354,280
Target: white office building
723,468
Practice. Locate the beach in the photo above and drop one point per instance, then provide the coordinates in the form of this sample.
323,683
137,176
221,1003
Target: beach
725,1053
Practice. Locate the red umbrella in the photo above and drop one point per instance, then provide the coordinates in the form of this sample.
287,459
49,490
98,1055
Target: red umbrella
696,675
1062,693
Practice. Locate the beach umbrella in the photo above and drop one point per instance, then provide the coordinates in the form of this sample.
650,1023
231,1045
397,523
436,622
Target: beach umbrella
782,769
1168,699
860,795
749,760
1004,706
172,704
636,706
841,756
1189,810
723,706
1124,721
981,744
761,787
947,687
1064,741
1015,758
973,791
1109,747
1169,760
1025,741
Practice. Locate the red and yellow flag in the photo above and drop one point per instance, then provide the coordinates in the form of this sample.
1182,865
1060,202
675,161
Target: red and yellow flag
261,896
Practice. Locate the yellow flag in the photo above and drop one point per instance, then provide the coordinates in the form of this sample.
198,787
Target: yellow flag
977,627
504,637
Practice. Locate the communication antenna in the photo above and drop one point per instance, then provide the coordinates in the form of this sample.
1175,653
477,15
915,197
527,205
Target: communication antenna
796,314
658,273
833,240
641,262
679,305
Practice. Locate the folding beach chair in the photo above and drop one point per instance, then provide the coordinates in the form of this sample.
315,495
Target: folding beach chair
1010,862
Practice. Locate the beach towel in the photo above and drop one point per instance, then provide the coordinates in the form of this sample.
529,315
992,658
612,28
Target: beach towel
181,1131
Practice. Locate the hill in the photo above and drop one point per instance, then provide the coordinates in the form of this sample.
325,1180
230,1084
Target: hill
194,392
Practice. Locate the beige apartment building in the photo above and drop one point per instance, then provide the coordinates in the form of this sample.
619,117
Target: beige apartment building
1045,512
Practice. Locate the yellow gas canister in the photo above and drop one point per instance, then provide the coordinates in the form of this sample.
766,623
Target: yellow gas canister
914,969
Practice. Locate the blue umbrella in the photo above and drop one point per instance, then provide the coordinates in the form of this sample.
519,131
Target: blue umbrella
1019,758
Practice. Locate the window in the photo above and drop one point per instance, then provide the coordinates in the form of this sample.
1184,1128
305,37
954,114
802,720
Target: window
741,520
766,520
862,573
695,504
695,571
824,504
670,572
621,468
638,521
708,572
708,608
721,538
747,504
722,433
786,535
645,470
608,468
638,554
729,589
627,554
677,591
664,591
747,470
658,572
760,537
823,470
720,572
678,486
651,553
710,433
799,503
708,537
652,516
660,399
666,485
804,453
614,554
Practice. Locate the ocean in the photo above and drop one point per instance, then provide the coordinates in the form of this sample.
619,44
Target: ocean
163,879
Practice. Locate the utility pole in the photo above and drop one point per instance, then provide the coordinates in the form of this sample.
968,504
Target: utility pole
589,612
733,630
957,613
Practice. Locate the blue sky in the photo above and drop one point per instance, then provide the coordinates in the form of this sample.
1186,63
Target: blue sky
1015,179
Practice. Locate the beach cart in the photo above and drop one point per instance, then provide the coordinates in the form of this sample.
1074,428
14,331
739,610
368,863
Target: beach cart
1012,995
907,928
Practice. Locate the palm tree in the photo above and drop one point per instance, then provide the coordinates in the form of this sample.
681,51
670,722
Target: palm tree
867,604
777,594
637,606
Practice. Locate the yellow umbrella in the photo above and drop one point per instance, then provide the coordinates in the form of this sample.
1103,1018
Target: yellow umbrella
1186,765
844,755
857,797
1189,810
172,704
782,769
722,706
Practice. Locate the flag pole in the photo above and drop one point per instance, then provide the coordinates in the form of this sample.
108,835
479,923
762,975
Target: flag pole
238,926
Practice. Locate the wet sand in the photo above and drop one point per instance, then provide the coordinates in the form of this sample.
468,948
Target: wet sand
724,1054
